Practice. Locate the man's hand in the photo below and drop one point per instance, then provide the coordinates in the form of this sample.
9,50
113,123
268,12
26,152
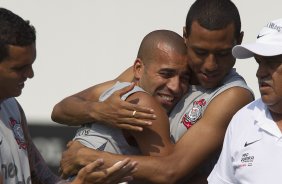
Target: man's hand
69,164
93,174
124,115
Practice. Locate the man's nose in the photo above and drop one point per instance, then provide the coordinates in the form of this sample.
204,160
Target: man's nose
29,73
174,84
262,70
210,63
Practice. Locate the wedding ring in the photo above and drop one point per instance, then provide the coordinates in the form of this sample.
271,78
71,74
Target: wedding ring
133,113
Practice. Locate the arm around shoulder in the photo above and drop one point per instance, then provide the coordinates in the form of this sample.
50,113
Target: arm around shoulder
205,138
81,107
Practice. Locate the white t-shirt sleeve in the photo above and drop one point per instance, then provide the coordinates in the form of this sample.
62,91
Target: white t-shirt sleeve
223,171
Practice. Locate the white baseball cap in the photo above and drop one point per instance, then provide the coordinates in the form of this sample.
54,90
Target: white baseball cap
268,43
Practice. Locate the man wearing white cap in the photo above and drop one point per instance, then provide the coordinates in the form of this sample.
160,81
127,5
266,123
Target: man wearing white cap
253,142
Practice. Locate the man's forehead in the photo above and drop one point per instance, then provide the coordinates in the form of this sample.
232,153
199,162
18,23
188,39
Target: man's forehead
222,39
269,58
197,28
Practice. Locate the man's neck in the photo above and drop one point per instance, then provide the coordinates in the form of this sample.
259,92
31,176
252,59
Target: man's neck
194,80
277,117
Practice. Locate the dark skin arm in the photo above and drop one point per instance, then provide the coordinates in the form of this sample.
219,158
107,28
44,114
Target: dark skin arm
154,139
91,173
83,107
187,155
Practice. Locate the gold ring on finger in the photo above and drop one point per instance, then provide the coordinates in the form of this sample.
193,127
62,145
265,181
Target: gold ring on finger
133,113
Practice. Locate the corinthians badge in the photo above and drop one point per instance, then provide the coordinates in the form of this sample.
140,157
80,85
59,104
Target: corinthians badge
18,133
193,114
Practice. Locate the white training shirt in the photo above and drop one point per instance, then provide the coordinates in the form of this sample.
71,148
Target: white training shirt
13,146
252,150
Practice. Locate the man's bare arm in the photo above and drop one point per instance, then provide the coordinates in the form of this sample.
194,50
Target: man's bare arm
205,138
197,145
78,108
90,174
154,139
83,107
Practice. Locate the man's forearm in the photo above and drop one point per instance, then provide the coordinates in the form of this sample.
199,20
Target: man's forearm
149,169
74,111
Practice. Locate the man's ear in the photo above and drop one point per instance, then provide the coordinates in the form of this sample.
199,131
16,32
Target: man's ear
240,38
185,35
138,68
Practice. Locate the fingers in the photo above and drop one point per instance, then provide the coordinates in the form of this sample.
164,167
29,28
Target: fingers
125,90
119,165
135,107
69,165
93,165
69,144
88,170
130,126
143,116
122,169
135,111
93,173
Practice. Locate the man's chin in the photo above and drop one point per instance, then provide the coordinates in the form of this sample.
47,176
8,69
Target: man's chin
167,108
208,85
17,94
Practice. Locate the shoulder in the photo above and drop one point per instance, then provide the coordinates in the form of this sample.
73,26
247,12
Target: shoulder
243,123
233,79
233,76
12,106
235,97
117,86
10,102
141,98
249,111
222,108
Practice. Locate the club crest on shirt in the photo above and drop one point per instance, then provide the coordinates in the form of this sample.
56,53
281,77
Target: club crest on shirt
18,133
195,113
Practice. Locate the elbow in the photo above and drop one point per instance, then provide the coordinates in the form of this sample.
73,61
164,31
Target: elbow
167,174
54,114
170,176
166,177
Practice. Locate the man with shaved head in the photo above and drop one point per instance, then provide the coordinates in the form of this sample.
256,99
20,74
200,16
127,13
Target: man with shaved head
161,77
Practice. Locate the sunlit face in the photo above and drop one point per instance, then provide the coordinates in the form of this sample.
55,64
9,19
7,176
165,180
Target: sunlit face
210,53
269,76
166,77
15,69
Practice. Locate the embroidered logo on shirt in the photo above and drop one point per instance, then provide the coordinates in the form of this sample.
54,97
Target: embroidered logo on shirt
18,133
247,160
195,113
249,143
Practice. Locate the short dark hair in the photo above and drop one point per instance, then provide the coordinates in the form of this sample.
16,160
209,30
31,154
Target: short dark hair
14,31
150,42
214,15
